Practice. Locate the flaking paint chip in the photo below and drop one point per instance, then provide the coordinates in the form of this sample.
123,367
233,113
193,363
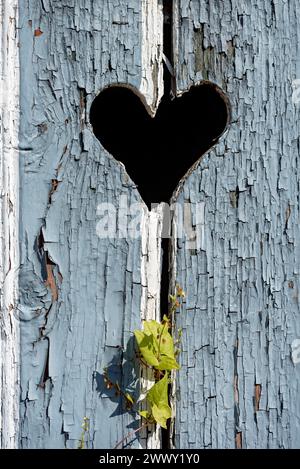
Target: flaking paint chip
38,32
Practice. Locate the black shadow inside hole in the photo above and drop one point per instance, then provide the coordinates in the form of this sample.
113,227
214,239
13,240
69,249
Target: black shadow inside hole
157,152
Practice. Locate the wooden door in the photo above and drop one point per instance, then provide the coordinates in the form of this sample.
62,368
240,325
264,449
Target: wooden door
70,298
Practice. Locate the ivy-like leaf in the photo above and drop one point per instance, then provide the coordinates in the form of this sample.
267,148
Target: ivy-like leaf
161,414
158,394
168,363
146,347
162,339
153,328
159,401
166,345
165,319
145,414
157,346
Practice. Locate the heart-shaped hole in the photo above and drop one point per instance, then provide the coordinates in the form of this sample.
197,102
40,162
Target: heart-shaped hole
158,151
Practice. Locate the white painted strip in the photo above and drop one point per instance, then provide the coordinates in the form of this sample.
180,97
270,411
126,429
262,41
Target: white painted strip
150,306
9,226
152,83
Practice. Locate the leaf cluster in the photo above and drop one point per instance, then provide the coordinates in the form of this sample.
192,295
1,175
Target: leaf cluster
157,348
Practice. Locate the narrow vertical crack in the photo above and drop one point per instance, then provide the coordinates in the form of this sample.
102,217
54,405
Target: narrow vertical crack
238,433
45,373
169,86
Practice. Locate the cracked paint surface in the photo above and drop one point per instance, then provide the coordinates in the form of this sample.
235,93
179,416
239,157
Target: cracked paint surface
80,295
9,224
238,386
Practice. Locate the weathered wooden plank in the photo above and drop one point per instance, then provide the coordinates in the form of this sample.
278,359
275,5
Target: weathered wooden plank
81,295
238,385
9,215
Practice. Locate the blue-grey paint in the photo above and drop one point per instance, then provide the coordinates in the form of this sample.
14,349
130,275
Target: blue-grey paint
242,285
238,385
84,315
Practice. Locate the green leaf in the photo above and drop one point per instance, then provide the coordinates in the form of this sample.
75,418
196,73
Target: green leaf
159,401
157,345
166,344
168,363
161,414
162,339
153,328
129,397
146,347
145,414
158,394
172,298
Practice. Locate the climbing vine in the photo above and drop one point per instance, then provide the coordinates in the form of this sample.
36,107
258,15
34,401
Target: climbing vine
158,349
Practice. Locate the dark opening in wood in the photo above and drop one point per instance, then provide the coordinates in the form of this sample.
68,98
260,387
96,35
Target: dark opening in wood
157,152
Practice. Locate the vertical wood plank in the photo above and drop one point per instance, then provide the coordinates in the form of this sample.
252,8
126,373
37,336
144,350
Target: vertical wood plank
238,386
81,295
9,226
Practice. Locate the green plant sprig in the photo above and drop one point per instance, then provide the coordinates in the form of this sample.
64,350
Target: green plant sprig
158,351
129,400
